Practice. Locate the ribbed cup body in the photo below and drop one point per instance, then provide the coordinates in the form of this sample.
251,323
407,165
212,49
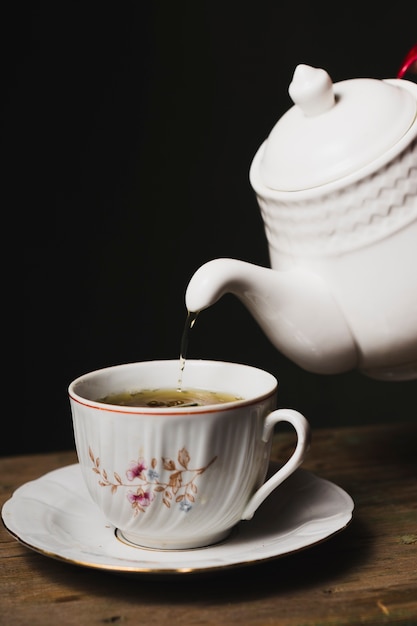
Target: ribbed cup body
173,478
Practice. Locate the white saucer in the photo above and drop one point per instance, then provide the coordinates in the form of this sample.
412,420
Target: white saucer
54,515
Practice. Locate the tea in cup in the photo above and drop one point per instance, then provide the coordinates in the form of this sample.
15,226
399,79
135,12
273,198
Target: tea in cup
182,469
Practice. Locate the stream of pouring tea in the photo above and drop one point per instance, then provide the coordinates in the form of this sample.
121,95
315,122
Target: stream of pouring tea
189,323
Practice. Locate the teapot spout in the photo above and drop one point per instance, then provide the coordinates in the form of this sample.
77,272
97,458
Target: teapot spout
294,308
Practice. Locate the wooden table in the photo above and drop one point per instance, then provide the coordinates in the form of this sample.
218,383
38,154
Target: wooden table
366,574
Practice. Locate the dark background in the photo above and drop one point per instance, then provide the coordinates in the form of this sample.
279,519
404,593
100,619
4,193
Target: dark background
129,129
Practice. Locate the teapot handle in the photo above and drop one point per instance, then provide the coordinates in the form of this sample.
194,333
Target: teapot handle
409,63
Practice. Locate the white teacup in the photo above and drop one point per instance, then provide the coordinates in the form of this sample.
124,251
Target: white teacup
180,477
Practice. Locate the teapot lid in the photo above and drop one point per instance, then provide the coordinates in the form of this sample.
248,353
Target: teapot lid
333,129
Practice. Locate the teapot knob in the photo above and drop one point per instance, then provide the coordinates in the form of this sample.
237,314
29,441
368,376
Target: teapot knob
312,89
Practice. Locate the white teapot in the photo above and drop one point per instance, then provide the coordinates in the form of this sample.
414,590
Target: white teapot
336,183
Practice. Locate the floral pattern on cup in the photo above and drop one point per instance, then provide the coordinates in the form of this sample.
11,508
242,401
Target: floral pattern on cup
144,481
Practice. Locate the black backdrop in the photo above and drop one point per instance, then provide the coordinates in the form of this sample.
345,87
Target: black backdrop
130,128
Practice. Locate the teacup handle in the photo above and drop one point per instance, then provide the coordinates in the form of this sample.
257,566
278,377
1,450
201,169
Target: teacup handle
302,428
